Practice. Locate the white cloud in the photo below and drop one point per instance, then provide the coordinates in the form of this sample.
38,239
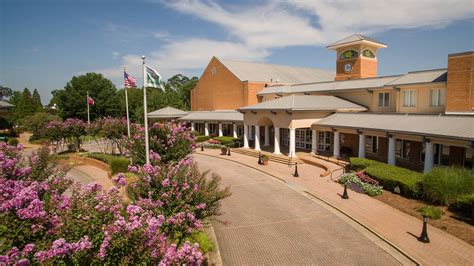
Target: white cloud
115,55
254,31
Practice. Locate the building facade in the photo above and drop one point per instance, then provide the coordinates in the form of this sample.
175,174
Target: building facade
415,120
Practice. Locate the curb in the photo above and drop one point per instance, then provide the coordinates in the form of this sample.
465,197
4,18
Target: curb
213,256
401,251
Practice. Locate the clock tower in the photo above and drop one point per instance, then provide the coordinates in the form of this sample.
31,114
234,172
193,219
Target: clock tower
356,57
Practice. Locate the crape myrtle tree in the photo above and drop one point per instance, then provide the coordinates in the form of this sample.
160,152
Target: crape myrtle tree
71,101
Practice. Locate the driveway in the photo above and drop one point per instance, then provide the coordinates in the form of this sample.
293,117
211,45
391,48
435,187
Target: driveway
267,222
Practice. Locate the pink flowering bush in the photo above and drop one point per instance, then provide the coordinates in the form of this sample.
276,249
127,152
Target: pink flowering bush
172,141
112,129
69,131
52,221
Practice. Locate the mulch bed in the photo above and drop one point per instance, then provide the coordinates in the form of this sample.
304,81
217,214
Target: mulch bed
452,223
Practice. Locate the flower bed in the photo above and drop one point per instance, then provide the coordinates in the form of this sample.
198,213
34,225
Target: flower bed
354,178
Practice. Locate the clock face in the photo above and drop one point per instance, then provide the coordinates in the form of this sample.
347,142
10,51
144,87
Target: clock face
347,68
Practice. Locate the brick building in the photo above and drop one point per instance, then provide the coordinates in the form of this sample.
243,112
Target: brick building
416,120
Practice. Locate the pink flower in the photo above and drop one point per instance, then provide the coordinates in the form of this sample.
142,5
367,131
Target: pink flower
119,180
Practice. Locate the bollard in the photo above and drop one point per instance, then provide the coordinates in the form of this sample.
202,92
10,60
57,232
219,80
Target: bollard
228,151
296,170
260,158
424,232
345,195
202,147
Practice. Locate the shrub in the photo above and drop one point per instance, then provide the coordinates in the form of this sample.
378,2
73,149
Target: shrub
225,140
431,212
463,203
172,141
12,142
445,184
36,122
391,176
119,165
369,189
202,138
358,164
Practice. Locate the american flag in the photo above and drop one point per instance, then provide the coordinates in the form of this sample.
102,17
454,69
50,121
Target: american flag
129,81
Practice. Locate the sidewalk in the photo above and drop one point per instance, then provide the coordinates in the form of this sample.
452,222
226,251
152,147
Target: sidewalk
395,226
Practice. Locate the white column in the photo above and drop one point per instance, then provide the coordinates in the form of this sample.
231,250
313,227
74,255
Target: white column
267,136
192,126
246,136
292,149
206,129
337,145
220,130
391,151
429,157
314,141
250,132
361,146
234,130
257,138
276,146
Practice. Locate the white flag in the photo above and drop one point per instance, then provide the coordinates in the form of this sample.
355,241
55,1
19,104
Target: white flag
153,78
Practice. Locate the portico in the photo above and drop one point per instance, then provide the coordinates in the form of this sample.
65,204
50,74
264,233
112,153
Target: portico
216,123
286,122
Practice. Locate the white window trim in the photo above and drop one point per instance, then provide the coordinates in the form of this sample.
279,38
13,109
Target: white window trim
438,95
410,92
384,96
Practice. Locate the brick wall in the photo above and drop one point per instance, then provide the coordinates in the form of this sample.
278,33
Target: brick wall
460,86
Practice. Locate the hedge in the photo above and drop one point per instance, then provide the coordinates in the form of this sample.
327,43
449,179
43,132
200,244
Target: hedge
12,142
118,164
463,203
358,164
202,138
225,140
390,176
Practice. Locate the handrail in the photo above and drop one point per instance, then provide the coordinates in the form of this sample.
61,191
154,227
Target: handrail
333,171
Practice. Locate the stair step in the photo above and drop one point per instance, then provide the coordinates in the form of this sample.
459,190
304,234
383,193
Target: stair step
274,158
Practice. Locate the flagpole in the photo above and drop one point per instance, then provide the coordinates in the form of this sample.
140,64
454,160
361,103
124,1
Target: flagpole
88,120
126,107
147,145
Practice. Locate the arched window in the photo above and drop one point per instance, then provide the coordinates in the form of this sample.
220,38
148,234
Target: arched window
368,53
349,54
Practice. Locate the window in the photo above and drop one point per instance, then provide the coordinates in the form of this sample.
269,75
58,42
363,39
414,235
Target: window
384,99
349,54
437,97
402,149
324,140
368,53
371,144
409,98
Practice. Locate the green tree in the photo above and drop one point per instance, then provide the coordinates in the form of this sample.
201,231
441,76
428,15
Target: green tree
23,105
5,92
36,101
183,85
71,101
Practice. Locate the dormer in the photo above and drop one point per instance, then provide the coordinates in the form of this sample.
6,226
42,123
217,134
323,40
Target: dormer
356,57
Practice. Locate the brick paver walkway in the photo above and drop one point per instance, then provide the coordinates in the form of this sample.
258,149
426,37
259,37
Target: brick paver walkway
397,227
272,224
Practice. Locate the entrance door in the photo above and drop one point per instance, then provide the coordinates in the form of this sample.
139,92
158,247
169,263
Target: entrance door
303,138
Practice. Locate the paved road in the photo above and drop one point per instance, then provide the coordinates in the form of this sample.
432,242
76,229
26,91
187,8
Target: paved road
270,223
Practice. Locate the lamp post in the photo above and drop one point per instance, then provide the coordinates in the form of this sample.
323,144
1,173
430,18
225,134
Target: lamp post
345,195
296,170
424,232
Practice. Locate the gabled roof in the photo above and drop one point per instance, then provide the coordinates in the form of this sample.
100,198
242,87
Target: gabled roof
460,127
366,83
247,71
354,39
167,112
425,76
218,115
306,103
4,104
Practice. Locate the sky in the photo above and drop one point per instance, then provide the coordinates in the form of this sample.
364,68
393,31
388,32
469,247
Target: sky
43,44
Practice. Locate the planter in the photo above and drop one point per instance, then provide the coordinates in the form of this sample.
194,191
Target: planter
265,162
223,151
